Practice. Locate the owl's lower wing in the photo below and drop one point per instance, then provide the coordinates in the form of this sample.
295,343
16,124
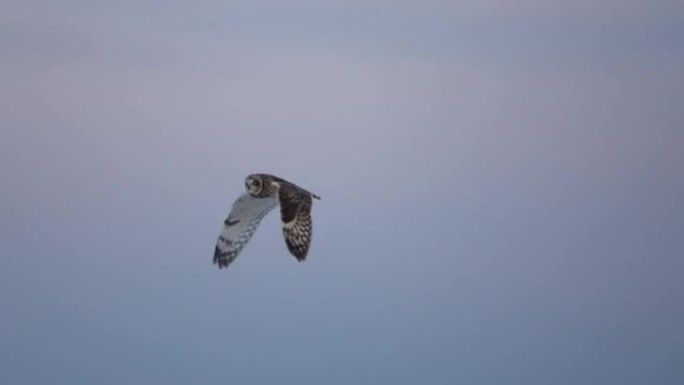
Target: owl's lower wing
295,212
239,227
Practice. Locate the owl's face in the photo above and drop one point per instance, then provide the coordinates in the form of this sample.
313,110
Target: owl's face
254,184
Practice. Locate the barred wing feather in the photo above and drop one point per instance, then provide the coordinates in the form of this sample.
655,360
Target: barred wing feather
239,227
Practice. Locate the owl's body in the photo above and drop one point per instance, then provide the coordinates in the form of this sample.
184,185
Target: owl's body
264,193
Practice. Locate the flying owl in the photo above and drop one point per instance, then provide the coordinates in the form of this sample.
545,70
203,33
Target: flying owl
264,193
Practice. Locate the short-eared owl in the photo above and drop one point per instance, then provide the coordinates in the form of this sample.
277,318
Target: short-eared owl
264,193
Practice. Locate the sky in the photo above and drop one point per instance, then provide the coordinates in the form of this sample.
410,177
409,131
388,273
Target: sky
501,187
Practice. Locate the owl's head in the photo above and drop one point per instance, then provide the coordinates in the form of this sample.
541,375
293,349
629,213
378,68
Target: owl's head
254,184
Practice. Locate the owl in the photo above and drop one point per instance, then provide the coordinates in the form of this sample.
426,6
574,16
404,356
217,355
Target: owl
264,193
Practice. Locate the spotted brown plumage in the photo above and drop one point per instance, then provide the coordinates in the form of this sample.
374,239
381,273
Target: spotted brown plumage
295,213
264,192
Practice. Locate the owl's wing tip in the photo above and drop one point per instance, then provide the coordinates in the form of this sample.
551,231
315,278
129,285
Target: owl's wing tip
220,259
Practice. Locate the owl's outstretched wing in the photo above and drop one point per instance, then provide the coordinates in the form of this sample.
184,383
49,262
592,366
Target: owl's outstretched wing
295,212
239,227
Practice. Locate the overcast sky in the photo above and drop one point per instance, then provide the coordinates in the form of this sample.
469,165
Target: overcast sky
502,191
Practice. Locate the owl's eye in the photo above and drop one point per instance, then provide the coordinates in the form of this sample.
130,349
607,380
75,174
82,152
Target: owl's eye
255,182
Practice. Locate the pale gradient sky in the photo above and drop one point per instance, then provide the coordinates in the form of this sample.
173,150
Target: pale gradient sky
501,188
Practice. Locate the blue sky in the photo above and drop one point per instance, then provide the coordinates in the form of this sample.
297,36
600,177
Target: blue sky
501,188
